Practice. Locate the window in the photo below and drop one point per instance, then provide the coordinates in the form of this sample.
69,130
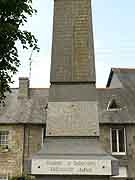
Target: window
118,141
113,106
3,177
4,138
43,134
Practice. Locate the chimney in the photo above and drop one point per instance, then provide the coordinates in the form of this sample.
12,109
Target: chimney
23,87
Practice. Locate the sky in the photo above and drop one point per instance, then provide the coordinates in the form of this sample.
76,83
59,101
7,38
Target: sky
114,40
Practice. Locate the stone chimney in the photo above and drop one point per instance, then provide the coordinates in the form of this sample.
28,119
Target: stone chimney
23,87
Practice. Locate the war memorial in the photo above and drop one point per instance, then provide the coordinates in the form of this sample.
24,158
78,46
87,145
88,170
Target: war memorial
72,130
71,148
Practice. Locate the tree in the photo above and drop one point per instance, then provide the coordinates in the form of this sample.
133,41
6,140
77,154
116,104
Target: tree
13,15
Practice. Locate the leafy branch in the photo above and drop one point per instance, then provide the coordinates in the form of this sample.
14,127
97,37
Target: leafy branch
13,15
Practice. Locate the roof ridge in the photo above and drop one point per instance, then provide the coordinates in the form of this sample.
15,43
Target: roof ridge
122,69
107,88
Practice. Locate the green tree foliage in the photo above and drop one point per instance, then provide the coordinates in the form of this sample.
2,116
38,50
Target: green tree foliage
13,15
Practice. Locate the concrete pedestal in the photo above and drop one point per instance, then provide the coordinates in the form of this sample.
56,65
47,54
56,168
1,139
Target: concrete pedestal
73,156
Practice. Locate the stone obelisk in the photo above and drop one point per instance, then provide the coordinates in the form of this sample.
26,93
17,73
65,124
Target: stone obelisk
73,90
72,145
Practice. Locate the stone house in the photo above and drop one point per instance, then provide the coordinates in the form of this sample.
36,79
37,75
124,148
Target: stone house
117,121
23,118
22,127
23,122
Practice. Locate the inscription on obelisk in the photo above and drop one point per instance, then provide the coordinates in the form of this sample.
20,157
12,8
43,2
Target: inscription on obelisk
72,51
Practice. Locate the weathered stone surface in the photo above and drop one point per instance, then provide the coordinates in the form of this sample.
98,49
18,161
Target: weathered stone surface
23,87
72,92
23,143
33,140
105,137
72,119
11,162
72,50
72,167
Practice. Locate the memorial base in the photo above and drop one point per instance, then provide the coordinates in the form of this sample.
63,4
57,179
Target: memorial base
73,156
72,177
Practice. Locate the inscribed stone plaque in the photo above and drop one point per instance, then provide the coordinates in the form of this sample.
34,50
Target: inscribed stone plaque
71,167
72,119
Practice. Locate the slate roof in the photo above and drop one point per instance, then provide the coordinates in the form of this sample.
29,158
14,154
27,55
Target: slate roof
31,110
127,77
121,115
122,73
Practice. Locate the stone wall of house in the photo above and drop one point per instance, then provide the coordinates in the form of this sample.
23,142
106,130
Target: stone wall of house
125,160
21,149
33,140
131,149
24,141
105,137
11,161
33,143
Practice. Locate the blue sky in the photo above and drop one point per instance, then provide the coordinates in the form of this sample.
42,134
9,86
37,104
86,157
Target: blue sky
114,39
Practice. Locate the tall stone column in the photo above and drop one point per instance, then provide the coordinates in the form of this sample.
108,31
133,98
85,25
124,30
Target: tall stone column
72,145
72,47
73,79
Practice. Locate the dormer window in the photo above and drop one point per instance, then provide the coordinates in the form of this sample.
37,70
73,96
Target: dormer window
113,106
